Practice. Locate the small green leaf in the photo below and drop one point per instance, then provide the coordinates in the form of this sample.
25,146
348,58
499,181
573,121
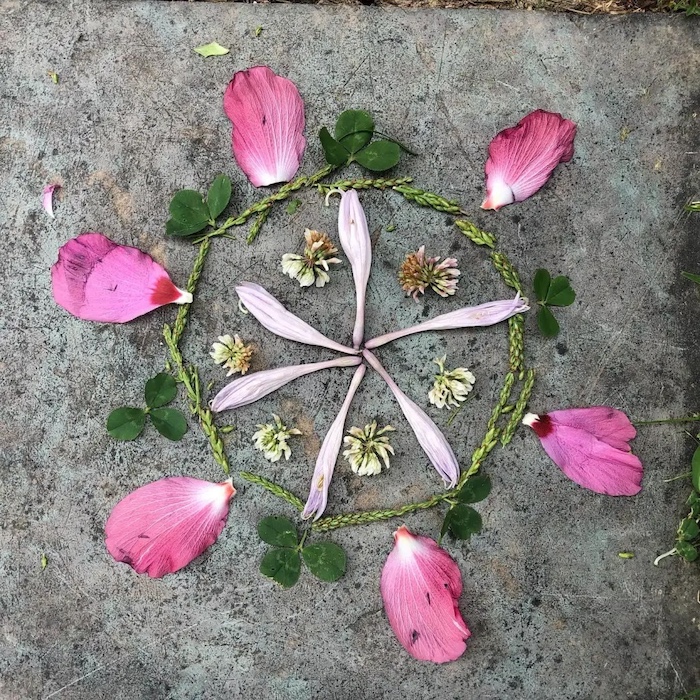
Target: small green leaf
463,521
696,470
475,489
189,208
334,152
379,156
547,323
212,49
560,292
691,277
282,565
177,228
258,30
688,529
354,129
325,560
160,390
125,423
54,76
219,195
293,206
687,551
626,555
169,422
278,531
44,561
694,503
390,228
541,283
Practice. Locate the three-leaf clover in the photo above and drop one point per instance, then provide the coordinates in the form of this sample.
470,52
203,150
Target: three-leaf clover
551,292
352,142
127,422
324,560
462,521
190,212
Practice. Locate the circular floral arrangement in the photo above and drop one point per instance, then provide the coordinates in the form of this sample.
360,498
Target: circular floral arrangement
161,527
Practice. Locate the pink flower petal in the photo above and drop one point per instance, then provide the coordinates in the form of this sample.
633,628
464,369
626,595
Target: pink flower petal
98,280
590,445
328,454
163,526
47,198
267,113
252,387
420,586
522,158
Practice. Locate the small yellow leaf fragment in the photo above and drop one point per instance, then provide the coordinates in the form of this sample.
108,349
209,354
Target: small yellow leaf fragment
258,30
626,555
44,561
212,49
624,133
53,75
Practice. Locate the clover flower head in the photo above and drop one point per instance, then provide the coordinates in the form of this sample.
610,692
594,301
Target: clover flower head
312,266
418,272
232,353
271,439
451,386
366,447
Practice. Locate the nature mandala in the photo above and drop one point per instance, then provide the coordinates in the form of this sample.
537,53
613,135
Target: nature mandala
163,526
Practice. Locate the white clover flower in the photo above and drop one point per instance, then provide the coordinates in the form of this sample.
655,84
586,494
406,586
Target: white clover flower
271,439
451,386
232,353
366,447
311,267
418,272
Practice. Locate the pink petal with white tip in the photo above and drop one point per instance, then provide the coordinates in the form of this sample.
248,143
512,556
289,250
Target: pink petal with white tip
163,526
267,114
420,586
522,158
47,198
97,279
590,445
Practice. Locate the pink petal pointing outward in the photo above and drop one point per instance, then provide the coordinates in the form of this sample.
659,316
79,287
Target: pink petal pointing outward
98,280
590,445
47,198
163,526
267,113
522,158
421,585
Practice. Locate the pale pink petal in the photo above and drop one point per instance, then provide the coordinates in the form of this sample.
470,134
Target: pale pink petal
469,317
98,280
420,586
271,314
429,436
248,389
163,526
592,453
328,454
47,198
522,158
354,237
267,113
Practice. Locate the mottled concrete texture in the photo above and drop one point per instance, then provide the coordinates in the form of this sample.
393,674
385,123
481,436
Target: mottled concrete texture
555,613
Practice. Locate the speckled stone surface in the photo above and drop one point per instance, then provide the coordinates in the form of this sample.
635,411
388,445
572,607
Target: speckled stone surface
554,612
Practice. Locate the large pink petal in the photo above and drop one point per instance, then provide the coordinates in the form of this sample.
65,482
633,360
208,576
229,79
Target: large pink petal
522,158
267,113
98,280
163,526
588,460
420,586
606,423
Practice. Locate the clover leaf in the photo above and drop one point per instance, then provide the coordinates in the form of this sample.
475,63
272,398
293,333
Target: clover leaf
551,292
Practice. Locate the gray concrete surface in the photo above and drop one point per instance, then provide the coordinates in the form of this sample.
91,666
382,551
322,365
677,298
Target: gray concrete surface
555,613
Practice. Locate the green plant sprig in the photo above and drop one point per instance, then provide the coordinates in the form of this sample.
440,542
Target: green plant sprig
551,292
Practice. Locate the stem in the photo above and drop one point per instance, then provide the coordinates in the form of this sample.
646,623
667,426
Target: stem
363,184
680,476
670,552
688,419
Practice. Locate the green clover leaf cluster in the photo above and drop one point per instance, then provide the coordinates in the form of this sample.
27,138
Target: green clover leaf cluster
127,422
551,292
190,212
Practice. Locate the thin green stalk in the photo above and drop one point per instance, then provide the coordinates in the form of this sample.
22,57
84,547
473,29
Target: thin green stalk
430,199
363,184
275,489
669,421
